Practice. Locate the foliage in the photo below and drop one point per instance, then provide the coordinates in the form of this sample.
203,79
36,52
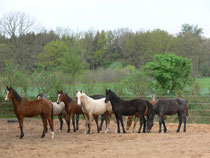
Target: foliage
137,83
50,58
169,71
15,76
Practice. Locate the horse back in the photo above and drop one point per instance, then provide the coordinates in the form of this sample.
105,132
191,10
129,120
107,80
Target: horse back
131,107
32,108
170,106
74,108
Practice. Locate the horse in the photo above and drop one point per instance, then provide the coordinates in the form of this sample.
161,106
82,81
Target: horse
58,110
168,107
93,108
121,107
128,119
31,108
71,107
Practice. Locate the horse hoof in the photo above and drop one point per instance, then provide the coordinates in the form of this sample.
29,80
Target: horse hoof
165,130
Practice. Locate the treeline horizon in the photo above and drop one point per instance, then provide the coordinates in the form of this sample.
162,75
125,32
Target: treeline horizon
25,47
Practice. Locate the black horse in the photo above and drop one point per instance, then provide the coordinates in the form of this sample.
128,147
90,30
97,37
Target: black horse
168,107
121,107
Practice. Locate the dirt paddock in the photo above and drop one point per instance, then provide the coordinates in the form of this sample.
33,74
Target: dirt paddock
194,143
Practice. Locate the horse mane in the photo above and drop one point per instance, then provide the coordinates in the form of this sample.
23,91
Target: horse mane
115,96
69,99
16,95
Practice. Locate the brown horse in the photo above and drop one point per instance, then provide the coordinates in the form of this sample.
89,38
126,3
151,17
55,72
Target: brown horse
28,108
128,120
71,106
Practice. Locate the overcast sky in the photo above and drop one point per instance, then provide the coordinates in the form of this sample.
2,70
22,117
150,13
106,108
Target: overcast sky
82,15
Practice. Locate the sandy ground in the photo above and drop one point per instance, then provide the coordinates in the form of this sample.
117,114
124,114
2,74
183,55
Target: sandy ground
194,143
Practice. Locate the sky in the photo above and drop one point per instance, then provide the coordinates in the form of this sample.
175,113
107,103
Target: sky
144,15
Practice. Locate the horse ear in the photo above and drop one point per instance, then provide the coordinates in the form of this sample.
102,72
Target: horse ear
80,91
61,91
7,88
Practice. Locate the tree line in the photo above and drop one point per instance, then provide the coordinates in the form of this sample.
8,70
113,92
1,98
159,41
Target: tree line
30,48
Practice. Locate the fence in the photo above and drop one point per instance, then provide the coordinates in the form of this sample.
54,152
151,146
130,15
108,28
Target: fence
199,108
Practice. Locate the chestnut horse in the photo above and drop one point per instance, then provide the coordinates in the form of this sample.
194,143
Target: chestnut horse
31,108
58,110
128,120
71,106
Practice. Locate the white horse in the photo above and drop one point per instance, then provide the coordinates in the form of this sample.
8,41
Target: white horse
92,107
58,110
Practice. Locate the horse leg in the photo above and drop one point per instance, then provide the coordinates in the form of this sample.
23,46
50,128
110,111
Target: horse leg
20,120
67,118
86,123
164,126
180,122
114,119
185,120
142,121
121,120
44,121
77,121
102,121
118,124
107,122
90,120
160,123
60,117
96,120
51,126
73,121
135,122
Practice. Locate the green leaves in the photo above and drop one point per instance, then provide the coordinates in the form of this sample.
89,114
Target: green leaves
49,58
170,71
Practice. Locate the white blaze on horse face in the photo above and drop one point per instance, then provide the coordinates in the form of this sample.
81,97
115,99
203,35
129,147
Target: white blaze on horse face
6,97
58,100
78,98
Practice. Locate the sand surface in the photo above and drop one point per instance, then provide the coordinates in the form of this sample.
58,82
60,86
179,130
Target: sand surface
193,144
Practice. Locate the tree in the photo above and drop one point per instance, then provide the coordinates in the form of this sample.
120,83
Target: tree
50,58
71,63
15,76
137,83
14,26
169,71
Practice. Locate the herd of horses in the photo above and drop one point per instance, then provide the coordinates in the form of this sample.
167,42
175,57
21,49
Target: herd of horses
91,107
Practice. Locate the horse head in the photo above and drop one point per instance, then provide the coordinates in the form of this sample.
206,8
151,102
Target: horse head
108,95
79,95
9,94
60,95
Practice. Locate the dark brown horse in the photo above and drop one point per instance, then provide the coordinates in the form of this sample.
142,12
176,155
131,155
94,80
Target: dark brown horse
28,108
168,107
128,120
71,106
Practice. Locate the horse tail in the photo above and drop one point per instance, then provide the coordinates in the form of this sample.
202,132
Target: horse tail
52,111
186,108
